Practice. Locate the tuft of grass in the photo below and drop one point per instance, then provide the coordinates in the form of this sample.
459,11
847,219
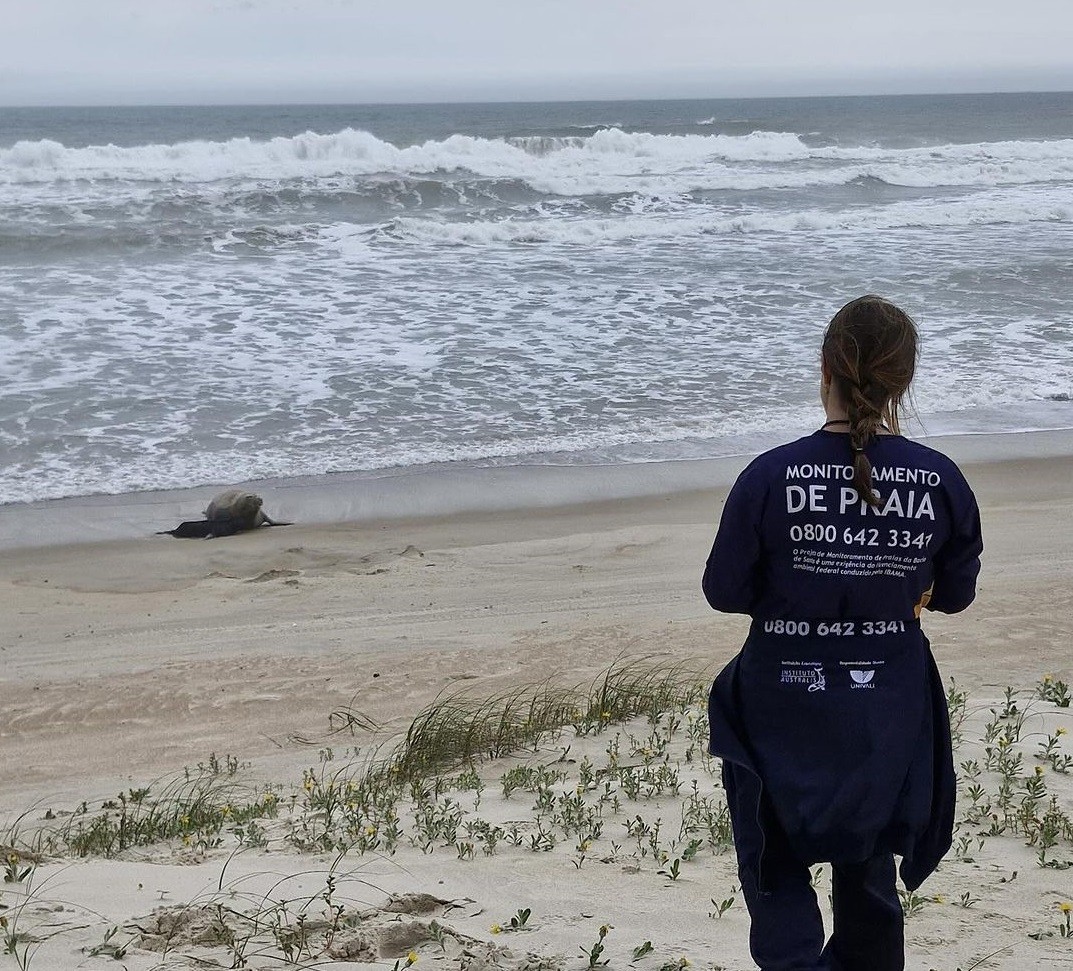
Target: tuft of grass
458,729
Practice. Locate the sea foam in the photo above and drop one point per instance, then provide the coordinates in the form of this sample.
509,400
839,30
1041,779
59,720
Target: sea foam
1046,205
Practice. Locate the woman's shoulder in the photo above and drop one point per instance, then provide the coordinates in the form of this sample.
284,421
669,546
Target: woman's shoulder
815,446
906,450
774,461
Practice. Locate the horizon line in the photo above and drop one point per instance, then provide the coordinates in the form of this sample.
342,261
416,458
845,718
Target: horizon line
530,101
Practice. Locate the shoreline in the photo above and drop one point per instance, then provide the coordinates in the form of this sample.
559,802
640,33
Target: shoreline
427,492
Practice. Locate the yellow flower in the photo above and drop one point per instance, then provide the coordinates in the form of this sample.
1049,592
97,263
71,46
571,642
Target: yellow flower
1047,678
605,715
1065,907
370,830
496,929
939,898
411,958
1062,731
1039,770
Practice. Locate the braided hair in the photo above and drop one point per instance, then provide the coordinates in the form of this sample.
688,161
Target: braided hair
870,351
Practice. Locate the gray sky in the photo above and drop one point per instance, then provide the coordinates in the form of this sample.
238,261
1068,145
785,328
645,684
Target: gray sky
228,51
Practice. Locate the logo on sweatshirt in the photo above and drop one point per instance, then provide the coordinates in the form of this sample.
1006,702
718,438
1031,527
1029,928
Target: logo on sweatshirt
862,678
862,672
809,674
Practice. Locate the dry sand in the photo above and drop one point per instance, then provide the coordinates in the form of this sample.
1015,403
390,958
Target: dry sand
123,662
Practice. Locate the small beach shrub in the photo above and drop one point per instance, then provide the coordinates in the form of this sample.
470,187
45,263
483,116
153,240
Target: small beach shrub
15,870
912,903
109,947
707,817
957,708
530,778
516,923
194,811
1063,928
641,951
1054,690
594,953
1050,751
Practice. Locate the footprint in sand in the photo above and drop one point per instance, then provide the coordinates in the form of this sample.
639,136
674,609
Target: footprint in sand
272,575
382,560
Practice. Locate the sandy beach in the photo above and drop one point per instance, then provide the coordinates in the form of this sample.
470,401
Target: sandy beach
123,662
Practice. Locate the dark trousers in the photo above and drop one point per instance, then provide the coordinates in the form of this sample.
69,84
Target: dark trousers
787,930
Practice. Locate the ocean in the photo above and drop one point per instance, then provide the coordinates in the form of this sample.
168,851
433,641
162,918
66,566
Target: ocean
226,294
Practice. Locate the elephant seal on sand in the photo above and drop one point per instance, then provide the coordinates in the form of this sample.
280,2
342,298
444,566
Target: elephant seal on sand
233,511
241,508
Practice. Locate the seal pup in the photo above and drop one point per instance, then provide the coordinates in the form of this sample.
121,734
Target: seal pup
232,511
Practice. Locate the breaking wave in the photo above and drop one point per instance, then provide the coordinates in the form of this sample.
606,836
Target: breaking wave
605,161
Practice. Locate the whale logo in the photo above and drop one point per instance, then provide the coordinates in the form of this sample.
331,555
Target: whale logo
820,681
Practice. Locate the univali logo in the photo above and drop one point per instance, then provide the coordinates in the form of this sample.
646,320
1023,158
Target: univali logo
862,677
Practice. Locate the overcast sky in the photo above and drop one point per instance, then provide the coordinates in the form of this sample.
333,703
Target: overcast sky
238,51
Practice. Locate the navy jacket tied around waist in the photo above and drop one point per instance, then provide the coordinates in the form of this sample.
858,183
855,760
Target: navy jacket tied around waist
842,775
832,721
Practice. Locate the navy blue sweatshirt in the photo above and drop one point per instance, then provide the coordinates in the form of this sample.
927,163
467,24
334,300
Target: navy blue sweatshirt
796,542
832,721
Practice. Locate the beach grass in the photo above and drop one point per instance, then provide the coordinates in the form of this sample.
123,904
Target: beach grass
460,729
